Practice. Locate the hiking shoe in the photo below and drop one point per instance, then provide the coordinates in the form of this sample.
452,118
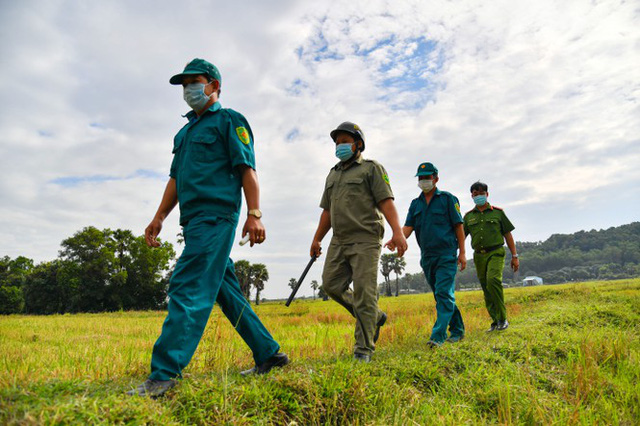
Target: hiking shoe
278,360
494,327
454,339
153,388
433,344
502,325
362,357
379,324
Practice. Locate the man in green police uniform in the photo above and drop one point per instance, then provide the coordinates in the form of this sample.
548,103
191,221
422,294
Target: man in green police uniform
213,162
435,216
489,228
356,196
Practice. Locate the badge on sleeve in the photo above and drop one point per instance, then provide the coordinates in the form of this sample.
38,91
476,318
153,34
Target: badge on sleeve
385,177
458,207
243,135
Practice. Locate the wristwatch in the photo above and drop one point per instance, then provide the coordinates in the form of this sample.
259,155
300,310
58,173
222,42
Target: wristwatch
255,212
515,255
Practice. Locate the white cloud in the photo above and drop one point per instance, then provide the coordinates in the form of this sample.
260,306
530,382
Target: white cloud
538,99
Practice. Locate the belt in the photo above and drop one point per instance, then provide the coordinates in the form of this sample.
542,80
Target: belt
488,249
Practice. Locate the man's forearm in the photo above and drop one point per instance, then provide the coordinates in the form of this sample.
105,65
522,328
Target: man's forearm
510,243
460,237
169,200
388,209
323,226
250,187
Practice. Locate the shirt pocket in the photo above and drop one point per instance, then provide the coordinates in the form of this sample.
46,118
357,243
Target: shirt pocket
203,148
440,218
493,225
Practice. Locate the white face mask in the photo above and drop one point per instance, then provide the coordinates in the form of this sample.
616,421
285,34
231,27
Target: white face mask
425,184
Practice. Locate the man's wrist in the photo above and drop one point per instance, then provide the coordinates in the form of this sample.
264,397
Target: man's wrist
515,256
255,212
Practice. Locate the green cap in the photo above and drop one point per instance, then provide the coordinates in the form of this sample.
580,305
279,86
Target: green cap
426,169
197,67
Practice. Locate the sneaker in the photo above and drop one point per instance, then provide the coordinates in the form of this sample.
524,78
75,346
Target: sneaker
379,324
494,327
362,357
433,344
502,325
278,360
153,388
454,339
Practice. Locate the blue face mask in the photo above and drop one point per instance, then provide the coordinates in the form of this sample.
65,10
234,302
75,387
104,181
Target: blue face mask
343,151
480,200
195,97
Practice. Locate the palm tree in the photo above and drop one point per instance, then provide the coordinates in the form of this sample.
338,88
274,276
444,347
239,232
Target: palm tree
259,276
386,262
243,273
397,267
314,286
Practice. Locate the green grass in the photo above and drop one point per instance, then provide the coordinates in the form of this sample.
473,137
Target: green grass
571,356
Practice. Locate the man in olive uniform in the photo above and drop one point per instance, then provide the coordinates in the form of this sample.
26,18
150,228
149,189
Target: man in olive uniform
435,216
213,163
356,196
489,228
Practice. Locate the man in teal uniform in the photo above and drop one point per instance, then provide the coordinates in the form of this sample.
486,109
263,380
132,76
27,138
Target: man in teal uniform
435,216
357,194
489,228
213,163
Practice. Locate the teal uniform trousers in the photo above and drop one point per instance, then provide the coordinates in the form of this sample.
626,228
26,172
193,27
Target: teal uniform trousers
203,275
440,272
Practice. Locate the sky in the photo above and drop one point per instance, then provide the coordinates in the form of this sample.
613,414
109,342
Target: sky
540,100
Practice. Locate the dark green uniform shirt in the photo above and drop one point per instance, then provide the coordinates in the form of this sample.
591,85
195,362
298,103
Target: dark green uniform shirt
352,195
206,153
434,223
487,228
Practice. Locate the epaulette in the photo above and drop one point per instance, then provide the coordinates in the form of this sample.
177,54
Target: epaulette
497,208
470,211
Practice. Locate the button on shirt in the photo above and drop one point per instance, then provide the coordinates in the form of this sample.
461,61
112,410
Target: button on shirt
487,228
434,223
206,153
352,195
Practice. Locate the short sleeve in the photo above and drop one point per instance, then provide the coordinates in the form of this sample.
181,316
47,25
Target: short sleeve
465,224
410,221
173,171
380,186
506,224
454,210
240,140
325,202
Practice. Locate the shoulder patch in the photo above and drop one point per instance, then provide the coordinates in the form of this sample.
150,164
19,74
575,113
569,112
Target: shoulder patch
243,135
497,208
458,207
385,177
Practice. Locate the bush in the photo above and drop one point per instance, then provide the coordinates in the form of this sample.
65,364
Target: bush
11,300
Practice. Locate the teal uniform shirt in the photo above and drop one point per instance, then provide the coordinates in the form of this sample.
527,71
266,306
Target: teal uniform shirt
207,151
434,223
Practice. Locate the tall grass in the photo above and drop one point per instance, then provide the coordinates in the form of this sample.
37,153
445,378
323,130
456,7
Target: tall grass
571,356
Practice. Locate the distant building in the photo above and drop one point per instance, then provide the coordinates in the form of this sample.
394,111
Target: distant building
527,281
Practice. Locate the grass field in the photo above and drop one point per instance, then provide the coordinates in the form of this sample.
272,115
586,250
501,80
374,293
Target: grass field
571,356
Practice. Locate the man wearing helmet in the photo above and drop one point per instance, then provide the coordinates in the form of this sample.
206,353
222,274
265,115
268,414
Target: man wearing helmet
356,196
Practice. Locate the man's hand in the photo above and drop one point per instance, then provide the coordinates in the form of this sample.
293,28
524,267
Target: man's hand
462,261
152,232
397,241
515,264
316,249
254,227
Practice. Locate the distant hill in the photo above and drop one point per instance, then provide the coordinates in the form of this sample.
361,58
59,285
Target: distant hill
605,254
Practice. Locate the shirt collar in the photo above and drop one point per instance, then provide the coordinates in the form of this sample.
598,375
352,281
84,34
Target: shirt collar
191,115
488,208
341,165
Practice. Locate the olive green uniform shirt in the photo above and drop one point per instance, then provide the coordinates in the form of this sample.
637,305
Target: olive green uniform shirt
351,194
487,228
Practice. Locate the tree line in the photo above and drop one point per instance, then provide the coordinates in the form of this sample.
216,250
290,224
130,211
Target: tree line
101,270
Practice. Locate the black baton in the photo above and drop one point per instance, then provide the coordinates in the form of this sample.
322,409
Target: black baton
304,274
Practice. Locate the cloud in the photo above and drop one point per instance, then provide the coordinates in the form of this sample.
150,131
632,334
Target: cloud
540,100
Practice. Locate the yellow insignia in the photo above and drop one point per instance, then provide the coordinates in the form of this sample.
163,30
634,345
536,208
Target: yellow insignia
458,207
423,166
385,177
355,127
243,135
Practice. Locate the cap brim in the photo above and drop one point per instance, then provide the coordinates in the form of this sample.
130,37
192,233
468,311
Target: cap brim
177,79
